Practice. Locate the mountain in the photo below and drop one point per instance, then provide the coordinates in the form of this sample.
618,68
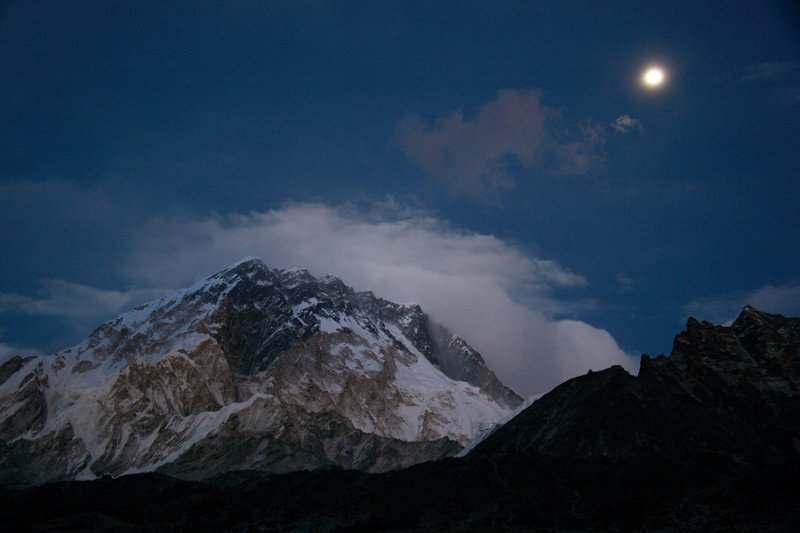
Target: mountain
252,368
726,393
707,439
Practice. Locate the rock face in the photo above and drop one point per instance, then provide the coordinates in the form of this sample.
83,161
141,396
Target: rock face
253,368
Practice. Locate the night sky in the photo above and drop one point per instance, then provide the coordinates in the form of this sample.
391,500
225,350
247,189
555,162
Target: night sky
501,163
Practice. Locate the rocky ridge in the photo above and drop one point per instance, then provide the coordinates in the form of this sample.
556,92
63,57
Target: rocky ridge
252,368
731,393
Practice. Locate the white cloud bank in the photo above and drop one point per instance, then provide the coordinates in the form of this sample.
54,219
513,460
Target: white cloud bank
484,289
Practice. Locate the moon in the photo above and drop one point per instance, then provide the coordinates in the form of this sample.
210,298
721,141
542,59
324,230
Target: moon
653,77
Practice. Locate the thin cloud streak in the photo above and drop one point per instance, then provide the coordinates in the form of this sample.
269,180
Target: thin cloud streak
80,305
782,77
7,352
770,70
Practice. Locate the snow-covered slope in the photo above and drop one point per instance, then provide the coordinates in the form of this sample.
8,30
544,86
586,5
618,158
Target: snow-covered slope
250,368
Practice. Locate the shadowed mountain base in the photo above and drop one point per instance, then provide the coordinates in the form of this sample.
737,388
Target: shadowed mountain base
524,492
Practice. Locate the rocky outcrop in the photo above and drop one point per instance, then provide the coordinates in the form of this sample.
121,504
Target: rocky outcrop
253,368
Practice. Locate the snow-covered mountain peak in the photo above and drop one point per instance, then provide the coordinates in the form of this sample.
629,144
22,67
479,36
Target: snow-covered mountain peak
252,367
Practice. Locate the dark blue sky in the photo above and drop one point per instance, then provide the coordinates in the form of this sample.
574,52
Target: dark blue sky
125,121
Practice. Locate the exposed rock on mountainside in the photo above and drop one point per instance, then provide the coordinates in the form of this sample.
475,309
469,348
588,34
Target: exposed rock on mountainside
704,440
253,368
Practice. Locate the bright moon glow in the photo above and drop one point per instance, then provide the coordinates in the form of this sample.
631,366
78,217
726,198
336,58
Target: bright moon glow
653,77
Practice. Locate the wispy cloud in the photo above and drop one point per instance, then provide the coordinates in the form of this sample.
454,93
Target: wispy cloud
495,294
477,157
10,350
81,305
781,77
783,299
625,123
626,283
7,351
770,70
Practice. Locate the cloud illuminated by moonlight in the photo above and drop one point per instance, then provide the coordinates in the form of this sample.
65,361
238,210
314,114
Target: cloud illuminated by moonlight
487,290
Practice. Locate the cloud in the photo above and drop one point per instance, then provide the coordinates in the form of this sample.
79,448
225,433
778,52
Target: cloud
784,299
626,283
782,77
80,305
770,70
485,289
478,157
57,228
624,124
8,351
